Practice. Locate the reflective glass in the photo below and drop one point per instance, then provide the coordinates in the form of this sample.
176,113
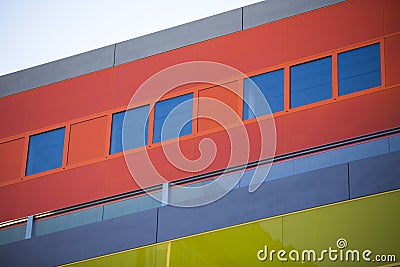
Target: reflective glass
133,132
173,118
45,151
311,82
271,85
359,69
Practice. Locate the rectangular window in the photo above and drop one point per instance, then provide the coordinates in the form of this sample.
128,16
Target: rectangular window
45,151
129,129
359,69
173,118
262,89
311,82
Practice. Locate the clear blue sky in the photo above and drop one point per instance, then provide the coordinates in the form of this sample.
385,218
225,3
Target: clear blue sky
34,32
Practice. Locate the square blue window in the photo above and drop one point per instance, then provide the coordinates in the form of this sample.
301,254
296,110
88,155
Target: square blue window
173,118
359,69
129,129
311,82
45,151
262,89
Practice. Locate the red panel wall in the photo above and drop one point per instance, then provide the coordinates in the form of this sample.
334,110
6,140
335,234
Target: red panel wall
392,57
249,50
337,121
333,27
209,157
262,47
70,99
62,189
11,159
14,114
393,109
118,178
268,136
130,76
391,10
177,164
9,202
87,140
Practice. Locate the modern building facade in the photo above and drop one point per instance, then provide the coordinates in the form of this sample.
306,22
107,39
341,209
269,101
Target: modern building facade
95,148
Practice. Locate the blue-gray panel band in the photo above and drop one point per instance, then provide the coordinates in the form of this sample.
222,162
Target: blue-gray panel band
56,71
83,242
179,36
298,192
375,175
271,10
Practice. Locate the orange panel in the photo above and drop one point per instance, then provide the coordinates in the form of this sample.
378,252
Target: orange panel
129,77
392,59
70,99
334,27
87,140
249,50
118,178
392,16
14,114
9,202
393,101
226,105
11,159
341,120
63,189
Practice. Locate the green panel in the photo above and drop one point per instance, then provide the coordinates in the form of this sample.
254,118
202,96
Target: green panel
369,223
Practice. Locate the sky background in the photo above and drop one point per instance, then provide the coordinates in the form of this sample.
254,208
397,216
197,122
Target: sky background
34,32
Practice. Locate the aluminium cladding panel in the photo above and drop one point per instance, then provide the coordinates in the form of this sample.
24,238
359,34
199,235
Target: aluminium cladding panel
374,175
271,10
179,36
83,242
273,198
57,71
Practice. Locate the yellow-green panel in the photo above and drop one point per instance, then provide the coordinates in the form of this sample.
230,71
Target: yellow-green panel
365,224
228,247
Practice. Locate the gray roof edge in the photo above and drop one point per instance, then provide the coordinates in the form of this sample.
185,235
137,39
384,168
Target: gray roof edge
155,43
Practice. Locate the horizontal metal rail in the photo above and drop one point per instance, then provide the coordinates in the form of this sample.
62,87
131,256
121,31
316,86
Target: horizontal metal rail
200,177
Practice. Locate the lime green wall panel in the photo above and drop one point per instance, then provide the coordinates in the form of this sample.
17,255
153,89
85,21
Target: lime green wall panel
365,224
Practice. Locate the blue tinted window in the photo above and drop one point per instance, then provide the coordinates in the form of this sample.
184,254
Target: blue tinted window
132,132
311,82
271,85
45,151
359,69
173,118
